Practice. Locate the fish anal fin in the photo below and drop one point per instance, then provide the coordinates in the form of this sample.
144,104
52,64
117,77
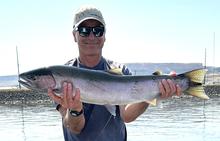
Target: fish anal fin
152,102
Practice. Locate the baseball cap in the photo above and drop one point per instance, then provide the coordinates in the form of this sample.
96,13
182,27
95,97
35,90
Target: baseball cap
87,12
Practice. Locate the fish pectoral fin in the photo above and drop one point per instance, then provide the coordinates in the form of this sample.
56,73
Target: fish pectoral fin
117,71
197,91
152,102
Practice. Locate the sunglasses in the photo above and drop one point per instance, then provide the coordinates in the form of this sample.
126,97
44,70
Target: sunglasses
85,31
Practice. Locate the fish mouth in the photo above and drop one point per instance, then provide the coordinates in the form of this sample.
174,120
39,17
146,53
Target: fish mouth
26,83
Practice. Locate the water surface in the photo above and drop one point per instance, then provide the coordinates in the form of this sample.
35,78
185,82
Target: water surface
179,119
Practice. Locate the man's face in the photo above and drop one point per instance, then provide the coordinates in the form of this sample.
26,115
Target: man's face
89,45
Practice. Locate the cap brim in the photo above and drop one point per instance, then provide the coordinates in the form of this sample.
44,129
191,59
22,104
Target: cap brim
87,18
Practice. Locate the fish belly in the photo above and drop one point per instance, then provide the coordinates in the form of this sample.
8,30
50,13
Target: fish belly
117,93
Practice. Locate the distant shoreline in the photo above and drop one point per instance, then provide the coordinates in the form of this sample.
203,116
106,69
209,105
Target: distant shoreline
22,96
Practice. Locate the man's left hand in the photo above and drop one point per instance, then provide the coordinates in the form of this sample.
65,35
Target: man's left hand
168,88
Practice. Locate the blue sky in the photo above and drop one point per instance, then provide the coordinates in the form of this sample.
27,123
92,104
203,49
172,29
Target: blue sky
137,31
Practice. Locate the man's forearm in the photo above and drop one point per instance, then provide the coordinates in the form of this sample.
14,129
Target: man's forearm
131,111
75,124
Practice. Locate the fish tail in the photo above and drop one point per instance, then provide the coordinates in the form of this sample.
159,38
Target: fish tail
196,78
197,91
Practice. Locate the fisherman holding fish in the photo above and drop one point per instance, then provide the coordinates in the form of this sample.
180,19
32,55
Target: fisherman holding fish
84,121
96,96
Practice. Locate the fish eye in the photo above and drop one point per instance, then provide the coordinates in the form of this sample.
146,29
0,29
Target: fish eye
31,77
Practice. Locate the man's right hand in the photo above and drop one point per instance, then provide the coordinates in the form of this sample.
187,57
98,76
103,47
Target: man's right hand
70,97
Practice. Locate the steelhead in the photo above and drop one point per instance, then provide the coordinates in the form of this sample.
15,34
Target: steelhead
107,88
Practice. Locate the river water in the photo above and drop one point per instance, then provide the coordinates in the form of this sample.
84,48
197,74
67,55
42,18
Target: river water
179,119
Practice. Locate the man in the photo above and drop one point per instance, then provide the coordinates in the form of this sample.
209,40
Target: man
83,121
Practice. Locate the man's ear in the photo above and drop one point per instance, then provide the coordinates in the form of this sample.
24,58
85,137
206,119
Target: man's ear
74,36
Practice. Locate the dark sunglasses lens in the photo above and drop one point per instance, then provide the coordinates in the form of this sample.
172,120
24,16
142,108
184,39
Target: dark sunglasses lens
98,31
84,31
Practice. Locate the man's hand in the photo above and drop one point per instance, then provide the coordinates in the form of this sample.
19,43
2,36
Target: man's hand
168,88
70,97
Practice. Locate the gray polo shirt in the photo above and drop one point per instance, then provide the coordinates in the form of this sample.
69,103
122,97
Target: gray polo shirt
100,125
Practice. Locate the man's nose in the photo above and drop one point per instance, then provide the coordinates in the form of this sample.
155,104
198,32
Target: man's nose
91,35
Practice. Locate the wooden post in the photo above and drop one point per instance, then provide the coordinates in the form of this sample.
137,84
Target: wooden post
19,85
213,78
205,66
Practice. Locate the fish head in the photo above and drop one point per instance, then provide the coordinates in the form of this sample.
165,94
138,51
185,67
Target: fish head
39,79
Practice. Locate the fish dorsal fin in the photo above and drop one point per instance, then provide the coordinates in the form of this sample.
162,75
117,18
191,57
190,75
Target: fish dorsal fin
157,72
117,71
